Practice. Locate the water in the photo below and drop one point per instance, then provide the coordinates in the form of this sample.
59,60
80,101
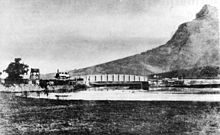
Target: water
40,116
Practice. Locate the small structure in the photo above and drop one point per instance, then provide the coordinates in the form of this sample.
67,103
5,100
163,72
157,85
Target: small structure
35,75
62,75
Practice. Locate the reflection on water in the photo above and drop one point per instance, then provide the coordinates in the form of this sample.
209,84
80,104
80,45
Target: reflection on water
34,116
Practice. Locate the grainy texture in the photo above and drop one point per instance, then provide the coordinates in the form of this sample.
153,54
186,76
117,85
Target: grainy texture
30,116
194,44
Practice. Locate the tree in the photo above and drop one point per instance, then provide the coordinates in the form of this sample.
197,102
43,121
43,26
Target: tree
209,71
16,69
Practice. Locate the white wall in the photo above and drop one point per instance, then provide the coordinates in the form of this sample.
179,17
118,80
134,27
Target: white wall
111,77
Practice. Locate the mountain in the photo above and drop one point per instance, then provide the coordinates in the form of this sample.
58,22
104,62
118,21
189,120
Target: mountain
194,44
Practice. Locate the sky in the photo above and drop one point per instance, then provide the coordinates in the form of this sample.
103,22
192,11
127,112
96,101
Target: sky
72,34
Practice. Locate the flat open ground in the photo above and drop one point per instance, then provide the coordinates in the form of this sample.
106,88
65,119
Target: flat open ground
27,116
174,94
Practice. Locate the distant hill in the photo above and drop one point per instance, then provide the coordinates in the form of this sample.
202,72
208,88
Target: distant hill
194,44
206,72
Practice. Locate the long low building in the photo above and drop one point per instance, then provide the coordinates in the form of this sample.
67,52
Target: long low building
112,78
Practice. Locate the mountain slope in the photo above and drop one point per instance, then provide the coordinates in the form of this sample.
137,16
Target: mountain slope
194,44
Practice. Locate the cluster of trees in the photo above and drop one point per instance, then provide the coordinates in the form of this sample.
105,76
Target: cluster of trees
197,72
16,70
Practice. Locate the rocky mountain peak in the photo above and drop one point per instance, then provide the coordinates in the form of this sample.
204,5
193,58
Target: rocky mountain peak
194,44
207,12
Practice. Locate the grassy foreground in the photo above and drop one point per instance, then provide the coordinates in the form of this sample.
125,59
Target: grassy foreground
33,116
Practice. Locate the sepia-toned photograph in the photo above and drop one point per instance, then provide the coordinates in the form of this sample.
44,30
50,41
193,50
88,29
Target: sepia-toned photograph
109,67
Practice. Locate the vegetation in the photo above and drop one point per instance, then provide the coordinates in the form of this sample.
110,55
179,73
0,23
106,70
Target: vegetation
16,70
197,72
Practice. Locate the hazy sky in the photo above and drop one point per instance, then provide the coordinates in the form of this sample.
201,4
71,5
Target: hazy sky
70,34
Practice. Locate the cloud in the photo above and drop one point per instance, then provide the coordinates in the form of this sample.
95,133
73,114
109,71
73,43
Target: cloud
78,33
